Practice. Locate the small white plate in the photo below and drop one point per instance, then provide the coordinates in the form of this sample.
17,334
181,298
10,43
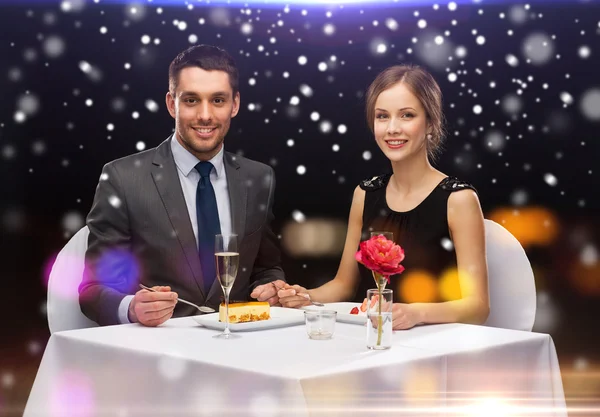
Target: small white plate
343,312
280,317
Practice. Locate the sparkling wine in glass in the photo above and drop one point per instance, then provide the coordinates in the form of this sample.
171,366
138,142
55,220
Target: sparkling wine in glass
227,259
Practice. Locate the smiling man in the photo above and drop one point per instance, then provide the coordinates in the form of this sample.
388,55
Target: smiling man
156,213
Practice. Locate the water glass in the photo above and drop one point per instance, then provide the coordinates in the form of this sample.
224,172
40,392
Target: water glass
320,324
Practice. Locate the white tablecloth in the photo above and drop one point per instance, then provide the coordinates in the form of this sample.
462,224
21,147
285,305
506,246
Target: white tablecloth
178,369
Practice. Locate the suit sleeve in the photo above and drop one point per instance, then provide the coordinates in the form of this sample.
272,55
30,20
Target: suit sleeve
111,270
267,266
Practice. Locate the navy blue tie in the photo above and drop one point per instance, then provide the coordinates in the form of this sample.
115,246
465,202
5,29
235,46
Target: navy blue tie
207,214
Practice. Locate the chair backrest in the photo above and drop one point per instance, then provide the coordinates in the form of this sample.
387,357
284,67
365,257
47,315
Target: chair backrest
511,282
63,308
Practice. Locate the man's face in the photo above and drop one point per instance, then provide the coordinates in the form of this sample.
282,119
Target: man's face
202,106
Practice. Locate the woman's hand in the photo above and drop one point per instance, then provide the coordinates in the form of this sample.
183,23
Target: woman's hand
404,316
293,296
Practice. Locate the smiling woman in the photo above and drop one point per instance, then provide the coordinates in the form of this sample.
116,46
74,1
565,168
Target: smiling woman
423,208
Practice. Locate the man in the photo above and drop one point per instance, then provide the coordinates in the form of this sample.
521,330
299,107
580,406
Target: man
155,213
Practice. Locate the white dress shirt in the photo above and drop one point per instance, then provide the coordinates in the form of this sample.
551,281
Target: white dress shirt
189,178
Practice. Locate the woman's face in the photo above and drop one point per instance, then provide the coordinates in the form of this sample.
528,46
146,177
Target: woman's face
400,124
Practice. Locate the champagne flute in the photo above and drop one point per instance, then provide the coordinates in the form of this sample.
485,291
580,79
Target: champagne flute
227,258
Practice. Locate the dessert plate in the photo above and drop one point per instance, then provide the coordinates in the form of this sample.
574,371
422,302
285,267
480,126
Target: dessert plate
280,317
343,312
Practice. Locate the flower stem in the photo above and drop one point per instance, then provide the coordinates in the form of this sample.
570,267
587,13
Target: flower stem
379,318
380,281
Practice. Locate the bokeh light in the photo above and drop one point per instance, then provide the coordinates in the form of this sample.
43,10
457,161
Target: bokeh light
449,285
73,391
418,286
313,237
530,225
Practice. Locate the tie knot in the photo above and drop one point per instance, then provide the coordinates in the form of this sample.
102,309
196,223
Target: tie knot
204,168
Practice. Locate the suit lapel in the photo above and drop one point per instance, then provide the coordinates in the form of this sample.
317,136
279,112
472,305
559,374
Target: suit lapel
166,179
238,200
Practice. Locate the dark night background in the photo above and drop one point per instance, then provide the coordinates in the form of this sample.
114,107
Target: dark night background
82,82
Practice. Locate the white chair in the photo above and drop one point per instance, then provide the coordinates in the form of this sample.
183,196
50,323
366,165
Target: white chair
511,282
63,308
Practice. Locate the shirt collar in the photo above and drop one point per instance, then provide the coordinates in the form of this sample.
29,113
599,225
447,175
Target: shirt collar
186,162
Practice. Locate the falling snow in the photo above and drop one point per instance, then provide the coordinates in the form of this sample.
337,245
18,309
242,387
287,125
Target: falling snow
521,99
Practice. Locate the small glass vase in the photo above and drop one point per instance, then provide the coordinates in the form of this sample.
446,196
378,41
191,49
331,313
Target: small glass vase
379,319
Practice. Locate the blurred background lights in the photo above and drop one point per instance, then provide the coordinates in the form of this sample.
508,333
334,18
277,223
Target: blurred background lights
298,216
449,285
313,237
54,46
590,104
512,104
538,48
136,11
73,391
550,179
418,286
517,14
584,52
306,90
530,225
73,221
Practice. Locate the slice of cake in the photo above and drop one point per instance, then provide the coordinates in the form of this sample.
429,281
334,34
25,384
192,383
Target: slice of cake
245,312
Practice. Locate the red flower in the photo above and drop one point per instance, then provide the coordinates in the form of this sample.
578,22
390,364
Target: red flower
381,256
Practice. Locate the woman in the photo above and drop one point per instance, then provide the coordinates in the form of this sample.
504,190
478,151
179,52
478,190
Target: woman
437,219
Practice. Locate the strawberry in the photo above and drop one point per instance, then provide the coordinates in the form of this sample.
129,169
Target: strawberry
354,310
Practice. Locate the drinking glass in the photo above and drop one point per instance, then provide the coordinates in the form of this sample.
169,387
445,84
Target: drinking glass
227,259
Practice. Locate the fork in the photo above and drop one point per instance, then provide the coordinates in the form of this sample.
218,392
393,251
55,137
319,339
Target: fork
203,309
305,295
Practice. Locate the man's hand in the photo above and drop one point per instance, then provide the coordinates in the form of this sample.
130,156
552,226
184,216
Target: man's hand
152,308
268,292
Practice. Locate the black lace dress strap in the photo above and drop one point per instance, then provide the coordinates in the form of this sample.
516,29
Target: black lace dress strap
375,183
455,184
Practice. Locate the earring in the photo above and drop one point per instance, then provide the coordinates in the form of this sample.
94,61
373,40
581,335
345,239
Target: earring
429,136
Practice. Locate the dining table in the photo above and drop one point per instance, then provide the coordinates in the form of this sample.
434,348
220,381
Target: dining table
180,369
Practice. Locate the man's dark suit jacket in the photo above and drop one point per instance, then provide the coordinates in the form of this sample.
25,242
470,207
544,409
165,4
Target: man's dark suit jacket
140,232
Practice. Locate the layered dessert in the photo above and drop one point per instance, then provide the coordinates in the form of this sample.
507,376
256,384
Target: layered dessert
246,312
